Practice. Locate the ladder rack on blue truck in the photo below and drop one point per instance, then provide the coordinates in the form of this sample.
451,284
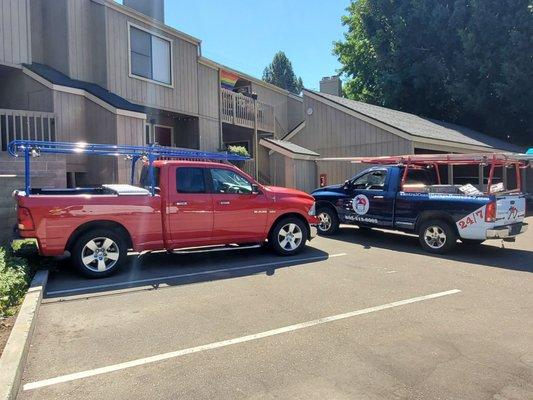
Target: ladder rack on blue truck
150,153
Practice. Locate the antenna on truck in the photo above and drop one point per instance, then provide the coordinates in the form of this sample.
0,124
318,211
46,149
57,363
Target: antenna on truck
150,153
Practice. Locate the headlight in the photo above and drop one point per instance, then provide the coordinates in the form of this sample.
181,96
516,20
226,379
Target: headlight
312,210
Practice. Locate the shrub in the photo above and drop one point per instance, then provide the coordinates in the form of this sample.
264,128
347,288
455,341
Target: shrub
239,150
14,280
18,264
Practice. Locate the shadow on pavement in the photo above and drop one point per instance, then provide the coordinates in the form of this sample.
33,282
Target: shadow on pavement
154,270
485,255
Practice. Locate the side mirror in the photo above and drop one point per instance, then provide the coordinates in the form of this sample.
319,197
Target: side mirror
255,189
347,184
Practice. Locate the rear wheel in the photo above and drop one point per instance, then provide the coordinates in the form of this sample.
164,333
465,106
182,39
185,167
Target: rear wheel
328,221
288,236
437,236
99,253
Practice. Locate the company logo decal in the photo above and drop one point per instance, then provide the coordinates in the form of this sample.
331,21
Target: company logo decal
361,204
512,213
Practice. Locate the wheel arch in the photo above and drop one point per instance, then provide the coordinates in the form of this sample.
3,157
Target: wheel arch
436,215
100,224
326,204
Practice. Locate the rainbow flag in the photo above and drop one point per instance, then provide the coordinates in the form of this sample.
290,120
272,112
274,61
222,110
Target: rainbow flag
228,79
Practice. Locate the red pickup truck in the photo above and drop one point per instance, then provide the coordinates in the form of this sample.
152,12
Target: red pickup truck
197,206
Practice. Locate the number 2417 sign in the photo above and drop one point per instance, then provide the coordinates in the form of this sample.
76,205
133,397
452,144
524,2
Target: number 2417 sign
471,219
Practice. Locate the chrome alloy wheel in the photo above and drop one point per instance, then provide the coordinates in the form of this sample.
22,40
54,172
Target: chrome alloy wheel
435,237
290,236
324,221
100,254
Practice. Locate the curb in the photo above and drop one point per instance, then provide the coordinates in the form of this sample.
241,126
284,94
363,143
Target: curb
16,349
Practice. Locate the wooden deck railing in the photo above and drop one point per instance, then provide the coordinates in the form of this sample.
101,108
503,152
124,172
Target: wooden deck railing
29,125
238,109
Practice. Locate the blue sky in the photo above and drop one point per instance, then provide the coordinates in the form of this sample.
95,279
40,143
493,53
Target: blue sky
245,34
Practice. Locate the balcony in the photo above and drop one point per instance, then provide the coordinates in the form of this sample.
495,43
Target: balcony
240,110
29,125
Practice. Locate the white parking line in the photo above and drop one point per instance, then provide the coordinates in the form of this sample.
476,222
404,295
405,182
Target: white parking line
223,343
211,271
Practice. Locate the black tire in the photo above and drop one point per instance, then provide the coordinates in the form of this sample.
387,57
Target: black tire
437,236
99,239
329,226
472,242
297,231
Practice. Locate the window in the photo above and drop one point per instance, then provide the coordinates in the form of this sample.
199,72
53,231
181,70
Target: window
144,180
226,181
190,180
150,56
374,180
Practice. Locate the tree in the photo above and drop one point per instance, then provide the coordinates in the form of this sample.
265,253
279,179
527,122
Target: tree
468,61
281,74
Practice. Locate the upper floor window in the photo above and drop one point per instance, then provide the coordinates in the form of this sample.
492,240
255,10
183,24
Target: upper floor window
150,56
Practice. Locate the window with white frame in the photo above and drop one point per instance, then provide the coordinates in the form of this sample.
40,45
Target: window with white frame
150,56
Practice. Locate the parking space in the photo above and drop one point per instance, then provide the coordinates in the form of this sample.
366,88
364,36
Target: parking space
358,315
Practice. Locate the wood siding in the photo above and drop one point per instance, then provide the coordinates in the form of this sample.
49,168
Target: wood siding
15,41
87,41
209,134
20,92
208,92
183,97
334,133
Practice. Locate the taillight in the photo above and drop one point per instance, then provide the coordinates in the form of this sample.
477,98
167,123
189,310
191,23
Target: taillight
25,221
490,212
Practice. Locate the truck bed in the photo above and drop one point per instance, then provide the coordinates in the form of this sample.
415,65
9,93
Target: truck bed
119,190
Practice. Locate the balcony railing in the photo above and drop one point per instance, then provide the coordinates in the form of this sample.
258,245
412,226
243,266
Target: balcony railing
238,109
25,125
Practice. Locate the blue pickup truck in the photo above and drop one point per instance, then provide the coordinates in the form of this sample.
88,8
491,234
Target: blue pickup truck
388,196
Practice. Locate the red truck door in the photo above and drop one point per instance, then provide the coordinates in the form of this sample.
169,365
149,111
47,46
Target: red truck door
190,207
240,215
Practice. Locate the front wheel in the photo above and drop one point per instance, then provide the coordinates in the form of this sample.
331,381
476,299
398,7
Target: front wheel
99,253
437,236
328,222
288,236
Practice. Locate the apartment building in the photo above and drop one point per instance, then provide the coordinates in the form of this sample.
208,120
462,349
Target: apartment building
99,71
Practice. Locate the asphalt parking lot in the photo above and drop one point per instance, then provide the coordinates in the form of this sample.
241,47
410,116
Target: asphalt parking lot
362,315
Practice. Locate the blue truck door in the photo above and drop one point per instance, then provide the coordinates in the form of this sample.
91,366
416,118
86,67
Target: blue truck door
372,202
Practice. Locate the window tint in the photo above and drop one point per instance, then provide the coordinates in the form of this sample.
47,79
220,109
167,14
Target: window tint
418,177
374,180
226,181
150,56
144,180
190,180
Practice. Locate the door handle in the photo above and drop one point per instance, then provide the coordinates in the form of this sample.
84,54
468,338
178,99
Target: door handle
225,203
181,203
377,197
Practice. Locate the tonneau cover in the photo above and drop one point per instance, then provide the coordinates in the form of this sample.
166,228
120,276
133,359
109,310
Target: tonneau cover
127,190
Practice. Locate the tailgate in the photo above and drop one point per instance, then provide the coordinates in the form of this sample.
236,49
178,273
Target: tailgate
510,209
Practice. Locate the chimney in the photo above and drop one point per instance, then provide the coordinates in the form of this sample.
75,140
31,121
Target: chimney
331,85
152,8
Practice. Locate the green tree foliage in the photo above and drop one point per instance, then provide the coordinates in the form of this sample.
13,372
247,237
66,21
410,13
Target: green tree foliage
281,74
465,61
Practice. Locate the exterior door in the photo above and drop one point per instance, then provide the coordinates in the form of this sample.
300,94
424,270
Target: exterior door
163,135
372,203
190,208
240,216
